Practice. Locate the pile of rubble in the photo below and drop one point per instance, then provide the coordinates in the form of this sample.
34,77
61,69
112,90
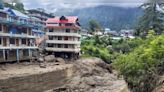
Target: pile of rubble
93,75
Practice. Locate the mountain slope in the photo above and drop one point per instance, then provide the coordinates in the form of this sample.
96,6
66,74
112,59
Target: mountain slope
115,18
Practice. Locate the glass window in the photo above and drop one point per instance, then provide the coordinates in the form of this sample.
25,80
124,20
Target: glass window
66,46
0,41
65,38
0,27
51,30
50,37
59,46
50,45
68,30
68,24
12,41
23,41
59,38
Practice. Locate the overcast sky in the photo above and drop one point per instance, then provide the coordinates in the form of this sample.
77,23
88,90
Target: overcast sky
53,5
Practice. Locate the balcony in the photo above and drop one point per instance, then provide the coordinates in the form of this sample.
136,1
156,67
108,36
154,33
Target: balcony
16,35
21,22
63,34
63,49
62,42
18,47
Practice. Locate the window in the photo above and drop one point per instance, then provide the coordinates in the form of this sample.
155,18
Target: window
51,30
66,38
3,15
23,41
68,30
12,41
59,46
52,23
50,45
1,27
50,37
59,38
0,41
66,46
68,24
24,30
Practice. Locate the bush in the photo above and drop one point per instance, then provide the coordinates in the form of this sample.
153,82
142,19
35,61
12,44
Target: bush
140,66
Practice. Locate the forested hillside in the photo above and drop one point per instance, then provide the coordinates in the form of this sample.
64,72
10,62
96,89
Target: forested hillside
115,18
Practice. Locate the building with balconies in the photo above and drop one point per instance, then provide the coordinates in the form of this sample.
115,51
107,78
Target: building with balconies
63,36
40,14
17,35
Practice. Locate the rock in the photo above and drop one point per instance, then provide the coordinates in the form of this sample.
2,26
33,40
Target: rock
49,58
42,65
93,75
60,60
41,59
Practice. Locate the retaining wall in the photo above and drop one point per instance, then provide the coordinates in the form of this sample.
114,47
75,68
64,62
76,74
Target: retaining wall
36,82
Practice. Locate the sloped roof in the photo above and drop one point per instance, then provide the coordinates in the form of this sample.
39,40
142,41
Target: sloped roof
70,19
15,13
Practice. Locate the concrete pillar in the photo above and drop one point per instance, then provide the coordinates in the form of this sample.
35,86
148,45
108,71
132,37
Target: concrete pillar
30,54
2,28
1,41
20,41
4,55
18,55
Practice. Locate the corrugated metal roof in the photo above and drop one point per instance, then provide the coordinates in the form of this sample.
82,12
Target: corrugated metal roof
70,19
13,12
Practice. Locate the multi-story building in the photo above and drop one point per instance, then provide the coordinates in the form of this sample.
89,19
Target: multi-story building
40,14
63,36
17,35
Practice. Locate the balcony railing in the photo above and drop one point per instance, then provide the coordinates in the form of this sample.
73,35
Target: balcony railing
17,35
62,42
62,49
27,22
18,47
63,34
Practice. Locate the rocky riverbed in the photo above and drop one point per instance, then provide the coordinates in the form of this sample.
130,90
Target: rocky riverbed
83,75
93,75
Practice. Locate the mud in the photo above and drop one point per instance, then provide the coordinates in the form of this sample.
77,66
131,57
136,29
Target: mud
93,75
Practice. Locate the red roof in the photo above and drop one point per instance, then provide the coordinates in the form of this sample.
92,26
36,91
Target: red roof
70,19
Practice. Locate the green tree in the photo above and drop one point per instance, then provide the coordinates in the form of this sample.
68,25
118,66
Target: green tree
19,7
1,4
152,18
94,26
16,4
141,66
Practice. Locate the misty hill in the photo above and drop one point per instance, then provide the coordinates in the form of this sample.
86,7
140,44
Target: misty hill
113,17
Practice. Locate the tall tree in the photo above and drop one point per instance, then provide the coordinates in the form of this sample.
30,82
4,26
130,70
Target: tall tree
152,18
94,26
1,4
15,4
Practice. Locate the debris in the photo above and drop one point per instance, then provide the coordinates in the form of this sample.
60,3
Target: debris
92,75
42,65
49,58
60,60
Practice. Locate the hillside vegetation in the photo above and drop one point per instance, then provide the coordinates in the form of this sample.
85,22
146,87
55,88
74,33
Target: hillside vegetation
113,17
139,60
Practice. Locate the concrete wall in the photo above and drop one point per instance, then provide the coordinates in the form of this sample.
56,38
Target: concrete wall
1,56
36,82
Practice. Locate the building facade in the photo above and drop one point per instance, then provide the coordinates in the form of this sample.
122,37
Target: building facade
63,36
40,14
17,35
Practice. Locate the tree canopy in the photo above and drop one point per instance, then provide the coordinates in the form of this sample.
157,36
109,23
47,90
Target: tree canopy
151,19
94,26
16,4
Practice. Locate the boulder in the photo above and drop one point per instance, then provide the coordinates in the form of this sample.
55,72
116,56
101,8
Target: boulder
49,58
60,60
